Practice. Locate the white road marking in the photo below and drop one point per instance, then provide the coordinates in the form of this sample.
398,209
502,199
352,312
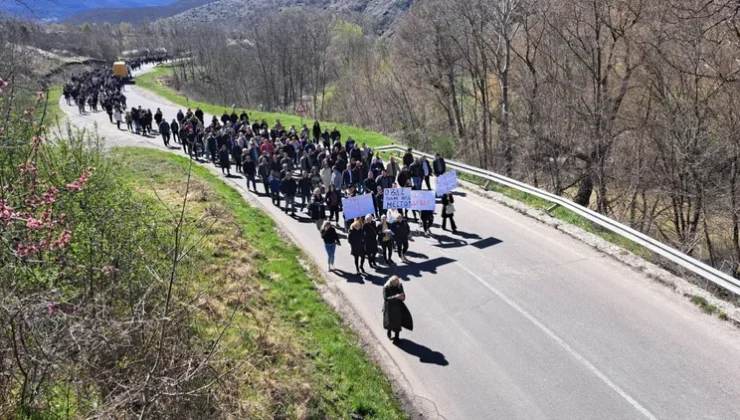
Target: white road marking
590,367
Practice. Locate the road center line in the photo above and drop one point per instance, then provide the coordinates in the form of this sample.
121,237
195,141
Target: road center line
588,365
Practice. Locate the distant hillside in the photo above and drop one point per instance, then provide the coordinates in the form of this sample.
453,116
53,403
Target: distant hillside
59,10
384,12
116,15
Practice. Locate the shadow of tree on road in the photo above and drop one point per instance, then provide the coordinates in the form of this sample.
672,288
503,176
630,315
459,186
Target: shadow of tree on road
425,354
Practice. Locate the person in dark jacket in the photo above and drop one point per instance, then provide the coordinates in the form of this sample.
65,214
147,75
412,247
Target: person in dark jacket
439,166
379,201
448,212
395,313
164,130
331,240
385,237
401,232
212,144
403,178
417,174
334,203
371,240
175,129
316,131
274,181
158,117
427,219
223,157
264,172
250,170
408,158
317,209
356,239
288,188
305,189
236,154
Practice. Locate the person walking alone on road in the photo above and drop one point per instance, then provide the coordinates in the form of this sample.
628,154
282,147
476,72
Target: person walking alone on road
448,212
401,232
224,157
395,313
371,240
331,240
356,241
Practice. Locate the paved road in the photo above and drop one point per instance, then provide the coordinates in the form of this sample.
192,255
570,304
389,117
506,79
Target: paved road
515,320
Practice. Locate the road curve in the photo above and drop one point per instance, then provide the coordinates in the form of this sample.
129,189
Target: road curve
516,320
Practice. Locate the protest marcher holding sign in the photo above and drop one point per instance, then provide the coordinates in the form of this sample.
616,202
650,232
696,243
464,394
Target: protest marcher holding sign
422,200
358,206
397,198
446,183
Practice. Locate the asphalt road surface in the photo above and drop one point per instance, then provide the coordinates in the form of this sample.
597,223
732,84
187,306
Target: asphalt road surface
516,320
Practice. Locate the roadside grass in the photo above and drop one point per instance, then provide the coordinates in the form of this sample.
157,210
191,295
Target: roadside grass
154,81
293,346
705,306
54,113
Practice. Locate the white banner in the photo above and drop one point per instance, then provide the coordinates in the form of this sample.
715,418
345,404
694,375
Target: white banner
396,198
359,206
423,200
446,183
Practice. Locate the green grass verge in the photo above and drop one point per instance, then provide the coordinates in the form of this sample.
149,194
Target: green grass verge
153,81
347,381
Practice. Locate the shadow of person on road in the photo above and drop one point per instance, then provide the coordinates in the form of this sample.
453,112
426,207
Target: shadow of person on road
425,354
232,176
350,277
467,235
405,272
447,242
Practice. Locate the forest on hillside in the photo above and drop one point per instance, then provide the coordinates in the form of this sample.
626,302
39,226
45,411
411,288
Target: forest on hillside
626,106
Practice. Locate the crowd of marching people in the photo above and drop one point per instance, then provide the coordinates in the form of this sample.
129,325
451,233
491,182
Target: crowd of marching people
302,169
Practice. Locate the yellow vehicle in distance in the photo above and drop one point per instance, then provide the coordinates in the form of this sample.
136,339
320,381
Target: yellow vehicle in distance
120,70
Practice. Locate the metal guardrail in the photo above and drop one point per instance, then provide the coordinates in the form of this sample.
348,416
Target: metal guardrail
697,267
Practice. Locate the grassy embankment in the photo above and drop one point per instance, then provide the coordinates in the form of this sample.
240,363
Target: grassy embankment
154,82
292,342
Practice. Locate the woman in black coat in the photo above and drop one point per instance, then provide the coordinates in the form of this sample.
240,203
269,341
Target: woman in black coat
250,170
448,212
316,208
356,241
371,240
401,232
223,157
395,313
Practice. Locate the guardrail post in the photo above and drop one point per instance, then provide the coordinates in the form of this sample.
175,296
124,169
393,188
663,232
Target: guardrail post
485,186
551,208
